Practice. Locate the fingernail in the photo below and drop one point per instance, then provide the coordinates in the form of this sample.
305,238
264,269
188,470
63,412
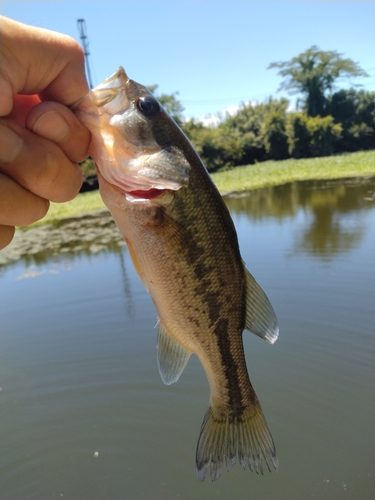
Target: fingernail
51,125
10,144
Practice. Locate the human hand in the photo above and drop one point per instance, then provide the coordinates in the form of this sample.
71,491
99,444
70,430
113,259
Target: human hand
41,140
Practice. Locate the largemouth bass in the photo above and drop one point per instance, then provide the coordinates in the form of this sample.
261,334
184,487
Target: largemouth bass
184,247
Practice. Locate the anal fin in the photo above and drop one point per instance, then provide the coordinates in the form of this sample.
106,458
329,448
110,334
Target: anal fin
172,357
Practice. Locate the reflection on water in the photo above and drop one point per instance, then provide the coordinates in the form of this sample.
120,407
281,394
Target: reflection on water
87,234
332,211
83,412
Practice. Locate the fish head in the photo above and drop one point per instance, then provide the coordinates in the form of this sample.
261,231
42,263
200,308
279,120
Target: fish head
132,138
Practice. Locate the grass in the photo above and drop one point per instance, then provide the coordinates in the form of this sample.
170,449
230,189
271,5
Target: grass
265,174
273,173
84,202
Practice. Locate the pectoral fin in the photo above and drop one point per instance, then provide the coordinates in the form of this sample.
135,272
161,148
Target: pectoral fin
260,316
172,357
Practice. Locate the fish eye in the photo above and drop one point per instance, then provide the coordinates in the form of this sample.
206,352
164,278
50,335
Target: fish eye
148,106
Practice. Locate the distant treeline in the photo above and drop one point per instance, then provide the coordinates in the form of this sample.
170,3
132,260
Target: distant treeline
269,131
328,122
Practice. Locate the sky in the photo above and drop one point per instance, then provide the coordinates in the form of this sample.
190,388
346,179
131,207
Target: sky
214,53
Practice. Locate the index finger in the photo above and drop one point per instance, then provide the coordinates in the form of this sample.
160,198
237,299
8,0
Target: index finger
22,104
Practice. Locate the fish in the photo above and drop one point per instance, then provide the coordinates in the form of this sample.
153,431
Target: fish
184,246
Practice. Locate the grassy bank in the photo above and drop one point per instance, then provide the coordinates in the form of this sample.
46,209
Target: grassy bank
274,173
265,174
84,202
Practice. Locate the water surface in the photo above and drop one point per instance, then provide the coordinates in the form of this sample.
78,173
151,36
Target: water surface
85,415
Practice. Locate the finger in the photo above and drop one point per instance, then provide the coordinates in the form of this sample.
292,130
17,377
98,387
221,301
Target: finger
19,207
37,164
6,235
21,107
39,61
59,124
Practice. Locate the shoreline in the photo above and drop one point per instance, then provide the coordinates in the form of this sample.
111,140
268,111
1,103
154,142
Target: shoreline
350,181
94,230
246,178
277,173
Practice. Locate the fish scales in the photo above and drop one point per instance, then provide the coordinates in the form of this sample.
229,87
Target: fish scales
185,259
184,247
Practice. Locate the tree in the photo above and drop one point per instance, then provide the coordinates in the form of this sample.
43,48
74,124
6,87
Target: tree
355,110
312,135
313,73
255,133
275,135
246,126
260,128
218,151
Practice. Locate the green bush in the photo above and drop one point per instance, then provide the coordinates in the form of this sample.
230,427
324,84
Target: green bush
275,135
355,110
312,136
88,167
246,127
217,150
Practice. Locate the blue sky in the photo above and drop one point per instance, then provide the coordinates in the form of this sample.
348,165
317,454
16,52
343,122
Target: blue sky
214,53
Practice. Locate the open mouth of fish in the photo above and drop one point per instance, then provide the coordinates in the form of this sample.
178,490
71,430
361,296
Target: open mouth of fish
127,154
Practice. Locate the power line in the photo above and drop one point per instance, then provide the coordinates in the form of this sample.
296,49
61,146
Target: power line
223,100
198,102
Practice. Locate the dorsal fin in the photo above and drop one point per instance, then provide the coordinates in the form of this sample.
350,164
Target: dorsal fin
260,316
172,357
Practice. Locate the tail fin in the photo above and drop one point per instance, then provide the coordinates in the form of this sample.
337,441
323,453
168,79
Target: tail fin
222,440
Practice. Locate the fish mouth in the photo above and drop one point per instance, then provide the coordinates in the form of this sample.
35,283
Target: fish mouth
136,195
130,160
147,195
104,94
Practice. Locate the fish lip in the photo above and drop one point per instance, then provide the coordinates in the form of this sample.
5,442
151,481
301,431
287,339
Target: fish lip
119,74
148,194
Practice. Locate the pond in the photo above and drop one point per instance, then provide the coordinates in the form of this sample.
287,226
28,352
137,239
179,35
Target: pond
84,413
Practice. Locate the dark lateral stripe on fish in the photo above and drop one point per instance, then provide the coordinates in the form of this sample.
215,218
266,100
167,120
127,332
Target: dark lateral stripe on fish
232,378
195,253
214,306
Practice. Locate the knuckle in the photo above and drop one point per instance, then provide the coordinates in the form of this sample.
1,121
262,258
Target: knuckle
62,179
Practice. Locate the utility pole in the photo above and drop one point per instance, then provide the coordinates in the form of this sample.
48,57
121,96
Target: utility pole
85,45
